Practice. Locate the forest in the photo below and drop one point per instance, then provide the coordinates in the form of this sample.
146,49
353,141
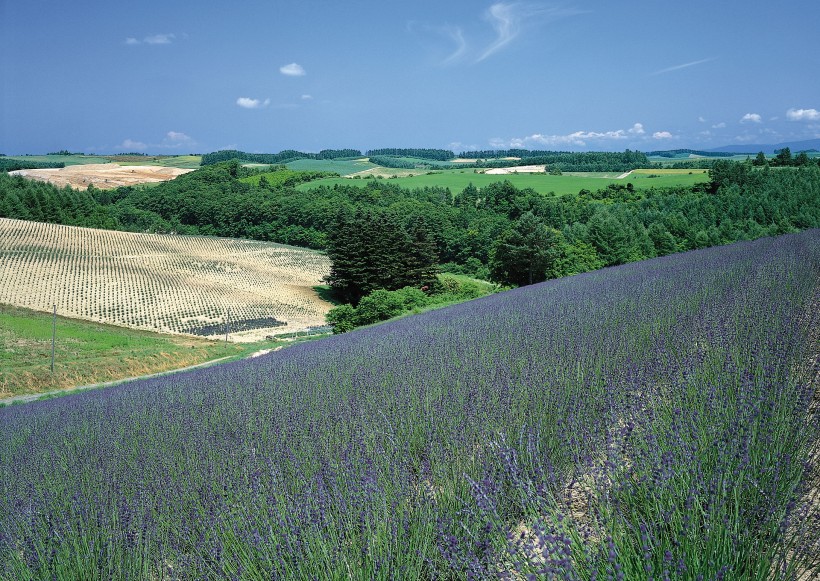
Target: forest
7,164
276,158
513,236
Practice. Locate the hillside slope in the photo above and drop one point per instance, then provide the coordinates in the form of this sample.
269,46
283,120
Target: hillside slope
160,282
644,418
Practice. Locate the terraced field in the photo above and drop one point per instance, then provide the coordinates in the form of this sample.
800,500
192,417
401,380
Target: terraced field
166,283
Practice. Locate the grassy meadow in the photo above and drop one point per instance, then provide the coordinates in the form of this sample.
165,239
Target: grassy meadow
87,352
457,180
340,166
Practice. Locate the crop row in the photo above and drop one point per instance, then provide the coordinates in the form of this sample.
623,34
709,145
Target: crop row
649,420
160,282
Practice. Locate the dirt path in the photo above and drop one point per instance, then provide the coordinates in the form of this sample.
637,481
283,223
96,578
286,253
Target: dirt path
623,175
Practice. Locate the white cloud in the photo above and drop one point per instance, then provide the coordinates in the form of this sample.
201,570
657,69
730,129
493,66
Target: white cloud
248,103
637,129
683,66
577,138
662,135
177,137
292,70
803,115
167,38
307,97
131,145
159,39
720,125
751,118
171,140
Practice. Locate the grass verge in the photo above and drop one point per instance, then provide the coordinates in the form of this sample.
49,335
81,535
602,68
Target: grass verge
87,352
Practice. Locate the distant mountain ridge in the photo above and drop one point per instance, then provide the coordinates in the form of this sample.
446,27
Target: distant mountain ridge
794,146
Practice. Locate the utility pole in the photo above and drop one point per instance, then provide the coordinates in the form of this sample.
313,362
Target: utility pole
227,324
53,335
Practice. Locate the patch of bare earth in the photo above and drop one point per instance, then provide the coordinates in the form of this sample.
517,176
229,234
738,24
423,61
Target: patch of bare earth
104,176
516,169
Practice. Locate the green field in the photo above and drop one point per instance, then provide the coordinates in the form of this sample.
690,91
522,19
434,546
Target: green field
89,352
457,180
180,161
341,167
66,159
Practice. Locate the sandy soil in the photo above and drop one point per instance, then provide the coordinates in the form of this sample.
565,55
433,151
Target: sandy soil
104,176
516,169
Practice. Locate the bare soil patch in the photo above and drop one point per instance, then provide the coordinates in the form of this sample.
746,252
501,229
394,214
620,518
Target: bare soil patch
104,176
516,169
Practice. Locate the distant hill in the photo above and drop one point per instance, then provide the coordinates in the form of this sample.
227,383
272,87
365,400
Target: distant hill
794,146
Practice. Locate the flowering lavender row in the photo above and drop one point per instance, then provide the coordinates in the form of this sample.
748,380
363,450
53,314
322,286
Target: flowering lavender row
653,420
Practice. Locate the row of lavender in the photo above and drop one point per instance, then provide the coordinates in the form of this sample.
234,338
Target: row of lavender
647,421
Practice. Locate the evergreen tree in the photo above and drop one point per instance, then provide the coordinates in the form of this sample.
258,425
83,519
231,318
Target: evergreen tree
524,252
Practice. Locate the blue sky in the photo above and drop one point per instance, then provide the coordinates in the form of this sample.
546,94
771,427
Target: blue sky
176,77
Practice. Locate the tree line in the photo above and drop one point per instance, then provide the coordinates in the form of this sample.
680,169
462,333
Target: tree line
421,153
511,235
7,164
276,158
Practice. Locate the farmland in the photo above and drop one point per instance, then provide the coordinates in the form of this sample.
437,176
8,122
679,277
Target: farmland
653,418
165,283
104,176
457,180
181,161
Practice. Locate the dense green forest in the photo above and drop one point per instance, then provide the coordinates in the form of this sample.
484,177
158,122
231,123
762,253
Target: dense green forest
276,158
421,153
488,231
7,164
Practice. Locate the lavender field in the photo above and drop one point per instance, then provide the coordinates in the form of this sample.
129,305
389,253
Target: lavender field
653,420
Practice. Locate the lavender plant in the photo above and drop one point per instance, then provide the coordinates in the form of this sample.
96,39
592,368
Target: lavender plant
654,420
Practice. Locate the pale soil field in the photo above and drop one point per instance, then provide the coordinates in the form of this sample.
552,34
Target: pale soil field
104,176
162,282
516,169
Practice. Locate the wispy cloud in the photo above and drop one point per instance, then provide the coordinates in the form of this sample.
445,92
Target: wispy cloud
154,39
803,115
508,20
457,36
248,103
292,70
505,18
306,97
720,125
751,118
684,66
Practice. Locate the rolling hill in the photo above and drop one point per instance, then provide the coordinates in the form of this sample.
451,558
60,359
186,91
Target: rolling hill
654,416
